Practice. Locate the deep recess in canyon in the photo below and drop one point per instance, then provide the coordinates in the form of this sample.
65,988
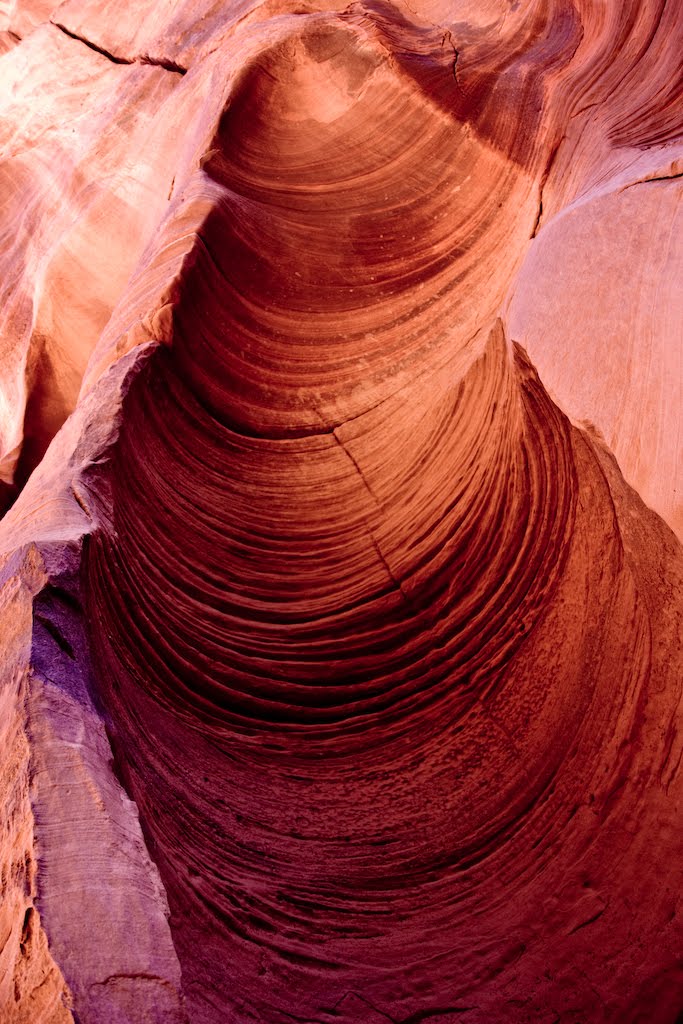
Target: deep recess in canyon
341,564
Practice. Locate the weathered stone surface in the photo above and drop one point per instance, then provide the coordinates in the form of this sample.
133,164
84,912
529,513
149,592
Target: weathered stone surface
341,584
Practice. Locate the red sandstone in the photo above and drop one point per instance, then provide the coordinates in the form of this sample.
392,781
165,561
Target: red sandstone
341,579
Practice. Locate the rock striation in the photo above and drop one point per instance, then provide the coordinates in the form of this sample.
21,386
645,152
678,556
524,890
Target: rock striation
341,577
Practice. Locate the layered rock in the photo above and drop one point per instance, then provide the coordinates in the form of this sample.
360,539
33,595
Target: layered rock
343,661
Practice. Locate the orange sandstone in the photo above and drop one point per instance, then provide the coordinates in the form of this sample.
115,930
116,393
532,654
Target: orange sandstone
341,579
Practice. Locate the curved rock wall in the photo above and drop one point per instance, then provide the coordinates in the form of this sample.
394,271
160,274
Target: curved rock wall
342,582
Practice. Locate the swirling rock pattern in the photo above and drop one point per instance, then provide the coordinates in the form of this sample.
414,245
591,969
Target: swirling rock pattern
341,580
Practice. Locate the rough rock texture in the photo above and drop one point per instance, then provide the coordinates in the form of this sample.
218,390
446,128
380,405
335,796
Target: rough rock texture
341,577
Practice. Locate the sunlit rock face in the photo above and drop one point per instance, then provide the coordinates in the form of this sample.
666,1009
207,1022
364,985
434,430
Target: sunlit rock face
341,579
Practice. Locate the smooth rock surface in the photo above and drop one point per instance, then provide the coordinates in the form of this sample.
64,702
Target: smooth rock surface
341,577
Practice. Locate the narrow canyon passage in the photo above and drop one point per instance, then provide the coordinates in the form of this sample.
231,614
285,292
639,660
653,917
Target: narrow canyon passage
348,768
350,616
341,615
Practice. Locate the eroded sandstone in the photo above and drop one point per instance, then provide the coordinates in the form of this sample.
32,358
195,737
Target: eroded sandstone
342,584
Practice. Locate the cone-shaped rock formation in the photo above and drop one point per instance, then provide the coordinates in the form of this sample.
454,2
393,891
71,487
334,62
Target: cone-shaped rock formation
341,578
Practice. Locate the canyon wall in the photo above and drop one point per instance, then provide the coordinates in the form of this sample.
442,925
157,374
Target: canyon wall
341,564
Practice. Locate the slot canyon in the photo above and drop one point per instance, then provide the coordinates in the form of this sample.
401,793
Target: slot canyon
341,494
